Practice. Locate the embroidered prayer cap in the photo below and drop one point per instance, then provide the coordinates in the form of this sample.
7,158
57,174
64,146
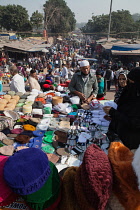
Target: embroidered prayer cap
30,170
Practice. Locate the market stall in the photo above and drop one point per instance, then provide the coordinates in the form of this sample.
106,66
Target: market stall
53,122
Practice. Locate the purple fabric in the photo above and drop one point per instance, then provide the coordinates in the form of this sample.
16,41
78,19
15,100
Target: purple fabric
28,133
17,131
30,170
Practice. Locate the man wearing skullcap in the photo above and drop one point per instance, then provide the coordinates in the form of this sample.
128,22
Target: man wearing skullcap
17,84
83,83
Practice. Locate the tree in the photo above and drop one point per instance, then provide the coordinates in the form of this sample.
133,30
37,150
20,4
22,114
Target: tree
136,17
1,15
121,21
58,17
36,19
15,17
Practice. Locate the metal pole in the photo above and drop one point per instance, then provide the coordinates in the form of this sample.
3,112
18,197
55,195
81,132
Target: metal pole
109,20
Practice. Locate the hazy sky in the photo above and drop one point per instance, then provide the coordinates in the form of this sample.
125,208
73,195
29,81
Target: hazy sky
83,9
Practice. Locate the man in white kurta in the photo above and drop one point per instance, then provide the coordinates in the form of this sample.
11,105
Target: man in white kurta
17,84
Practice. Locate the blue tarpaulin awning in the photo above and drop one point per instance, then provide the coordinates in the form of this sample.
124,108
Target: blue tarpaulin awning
127,47
13,37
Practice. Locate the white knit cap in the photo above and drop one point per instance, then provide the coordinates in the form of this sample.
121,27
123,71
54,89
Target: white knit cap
84,63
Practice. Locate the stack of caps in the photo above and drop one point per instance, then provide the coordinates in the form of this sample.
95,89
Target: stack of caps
44,124
47,141
27,109
34,178
9,102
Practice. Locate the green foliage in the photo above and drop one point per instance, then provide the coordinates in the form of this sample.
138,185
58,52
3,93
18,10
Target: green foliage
121,21
1,15
136,17
36,19
58,17
14,17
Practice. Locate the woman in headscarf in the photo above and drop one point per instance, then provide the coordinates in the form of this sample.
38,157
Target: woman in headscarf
125,121
122,82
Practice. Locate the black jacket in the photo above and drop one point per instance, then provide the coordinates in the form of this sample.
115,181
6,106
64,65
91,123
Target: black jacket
126,123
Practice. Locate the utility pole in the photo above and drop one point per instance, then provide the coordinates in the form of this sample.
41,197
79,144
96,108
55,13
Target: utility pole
109,20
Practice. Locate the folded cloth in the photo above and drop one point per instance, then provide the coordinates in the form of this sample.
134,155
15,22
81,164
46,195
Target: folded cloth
6,131
11,135
23,139
48,148
2,136
53,158
39,133
62,151
37,120
35,142
28,133
49,133
48,139
28,127
40,116
42,95
18,109
8,141
20,148
27,93
7,150
18,126
21,101
23,96
7,196
61,136
11,93
42,100
20,105
19,94
37,111
30,171
30,122
17,144
38,105
17,131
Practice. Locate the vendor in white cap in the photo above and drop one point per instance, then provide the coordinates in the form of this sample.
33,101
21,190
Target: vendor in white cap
83,83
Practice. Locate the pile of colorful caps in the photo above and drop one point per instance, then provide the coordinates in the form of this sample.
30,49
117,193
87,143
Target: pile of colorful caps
29,174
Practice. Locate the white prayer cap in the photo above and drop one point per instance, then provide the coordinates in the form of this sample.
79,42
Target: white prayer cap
84,63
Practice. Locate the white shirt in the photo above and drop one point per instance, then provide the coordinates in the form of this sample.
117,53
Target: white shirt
65,72
17,84
34,83
28,70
